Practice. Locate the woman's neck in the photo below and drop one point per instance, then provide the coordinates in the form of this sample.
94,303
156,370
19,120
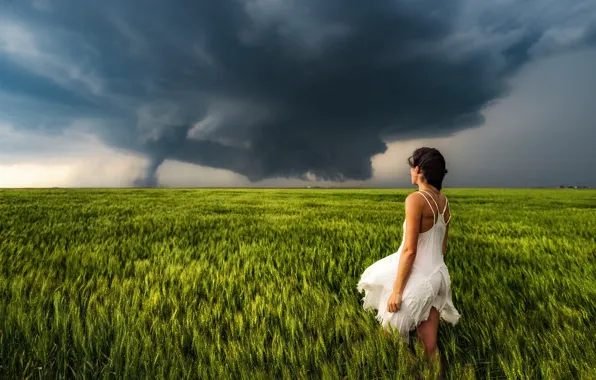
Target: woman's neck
427,187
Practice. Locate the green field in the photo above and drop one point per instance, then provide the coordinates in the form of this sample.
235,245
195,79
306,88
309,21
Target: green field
261,284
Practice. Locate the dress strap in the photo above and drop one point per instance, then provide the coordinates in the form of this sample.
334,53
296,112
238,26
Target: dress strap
431,207
431,197
445,209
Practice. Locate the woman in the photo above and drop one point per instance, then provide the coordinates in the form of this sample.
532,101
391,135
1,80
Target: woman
411,288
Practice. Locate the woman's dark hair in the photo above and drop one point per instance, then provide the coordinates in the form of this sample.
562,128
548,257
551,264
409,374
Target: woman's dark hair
432,164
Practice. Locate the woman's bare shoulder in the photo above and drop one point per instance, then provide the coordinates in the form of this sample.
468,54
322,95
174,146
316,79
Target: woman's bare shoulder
413,200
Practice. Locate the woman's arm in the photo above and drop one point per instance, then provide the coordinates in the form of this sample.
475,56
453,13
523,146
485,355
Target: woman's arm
408,253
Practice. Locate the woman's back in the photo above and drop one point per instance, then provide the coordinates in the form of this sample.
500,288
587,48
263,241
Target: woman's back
430,212
429,252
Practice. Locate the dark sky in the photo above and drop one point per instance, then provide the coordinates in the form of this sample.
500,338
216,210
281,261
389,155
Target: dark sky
274,92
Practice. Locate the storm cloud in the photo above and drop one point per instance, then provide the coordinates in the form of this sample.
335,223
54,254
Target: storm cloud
273,88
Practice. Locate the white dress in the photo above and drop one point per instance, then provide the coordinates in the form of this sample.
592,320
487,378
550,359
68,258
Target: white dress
428,285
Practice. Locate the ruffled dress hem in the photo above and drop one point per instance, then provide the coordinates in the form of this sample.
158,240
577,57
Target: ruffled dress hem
416,306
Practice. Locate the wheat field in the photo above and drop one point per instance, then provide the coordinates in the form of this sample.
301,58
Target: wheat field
261,284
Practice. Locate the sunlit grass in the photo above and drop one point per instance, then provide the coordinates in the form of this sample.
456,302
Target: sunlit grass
261,284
